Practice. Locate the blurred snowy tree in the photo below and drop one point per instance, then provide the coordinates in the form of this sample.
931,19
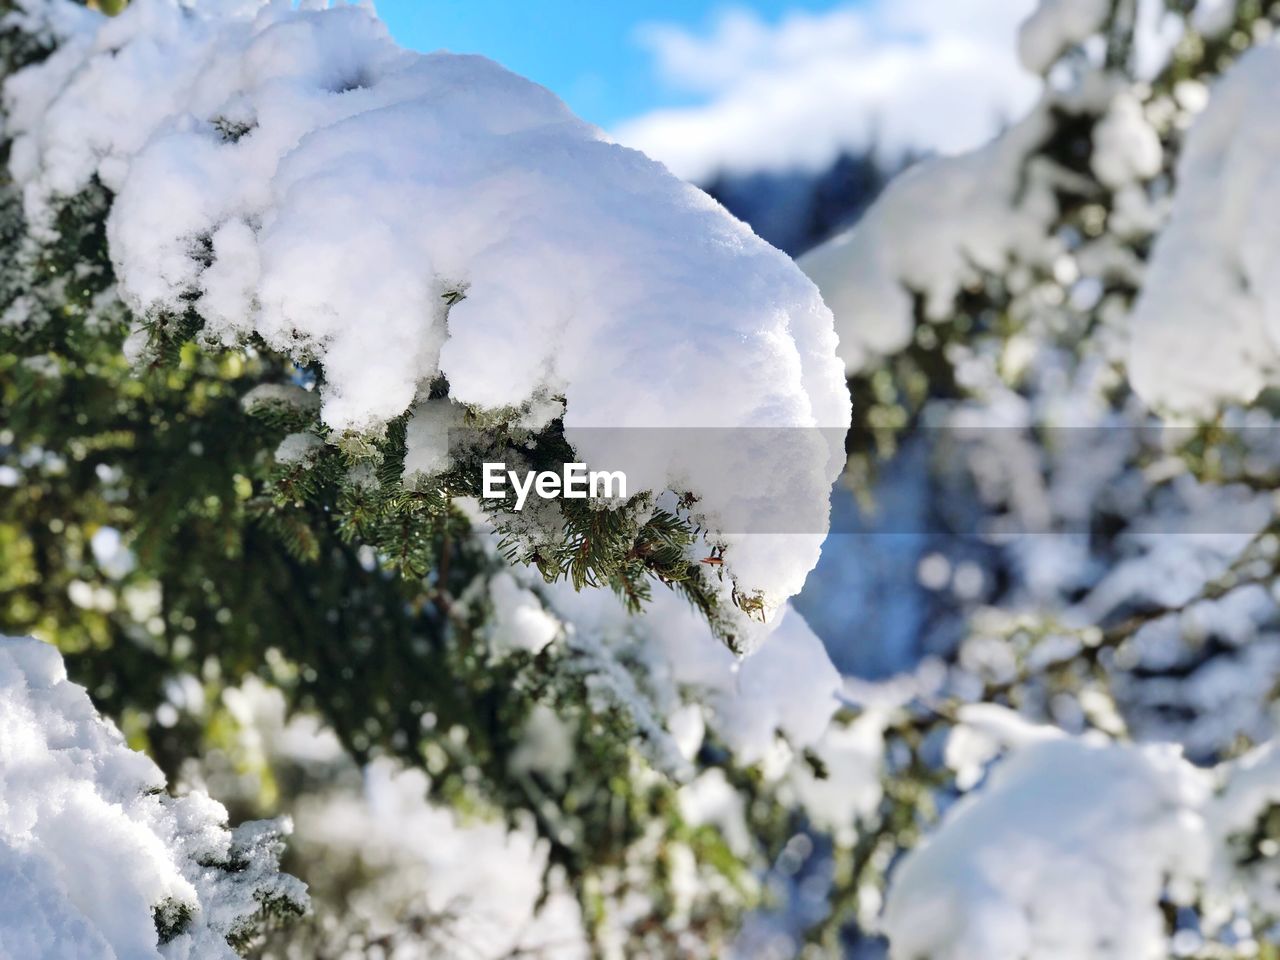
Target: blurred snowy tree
1072,323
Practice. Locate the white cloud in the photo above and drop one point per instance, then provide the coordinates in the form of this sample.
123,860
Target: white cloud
937,75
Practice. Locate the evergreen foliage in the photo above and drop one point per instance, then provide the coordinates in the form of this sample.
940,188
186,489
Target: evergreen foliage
366,598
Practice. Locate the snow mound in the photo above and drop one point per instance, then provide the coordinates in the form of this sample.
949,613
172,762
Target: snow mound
95,859
295,175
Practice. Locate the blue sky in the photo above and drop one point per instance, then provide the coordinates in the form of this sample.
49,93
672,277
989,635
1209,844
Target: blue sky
708,86
584,50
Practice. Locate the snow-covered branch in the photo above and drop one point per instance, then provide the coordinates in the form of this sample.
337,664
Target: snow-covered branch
97,862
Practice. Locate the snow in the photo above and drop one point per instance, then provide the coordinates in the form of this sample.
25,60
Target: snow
1070,845
309,182
546,745
519,621
394,873
1213,18
1126,147
853,755
665,667
987,730
288,395
298,448
109,551
427,437
945,224
1203,330
1250,786
1064,852
477,883
788,686
712,800
1055,27
933,232
1157,31
91,846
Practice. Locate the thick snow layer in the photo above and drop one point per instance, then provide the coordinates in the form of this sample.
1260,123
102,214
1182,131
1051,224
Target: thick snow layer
91,846
308,181
1204,329
666,667
932,232
1064,853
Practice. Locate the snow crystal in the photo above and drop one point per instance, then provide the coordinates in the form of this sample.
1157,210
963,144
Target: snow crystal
399,217
1204,329
90,845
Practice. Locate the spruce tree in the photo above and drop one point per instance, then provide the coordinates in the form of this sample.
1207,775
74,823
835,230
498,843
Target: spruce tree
249,514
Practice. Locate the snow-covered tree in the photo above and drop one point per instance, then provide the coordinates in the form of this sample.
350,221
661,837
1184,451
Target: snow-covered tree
274,289
1059,319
